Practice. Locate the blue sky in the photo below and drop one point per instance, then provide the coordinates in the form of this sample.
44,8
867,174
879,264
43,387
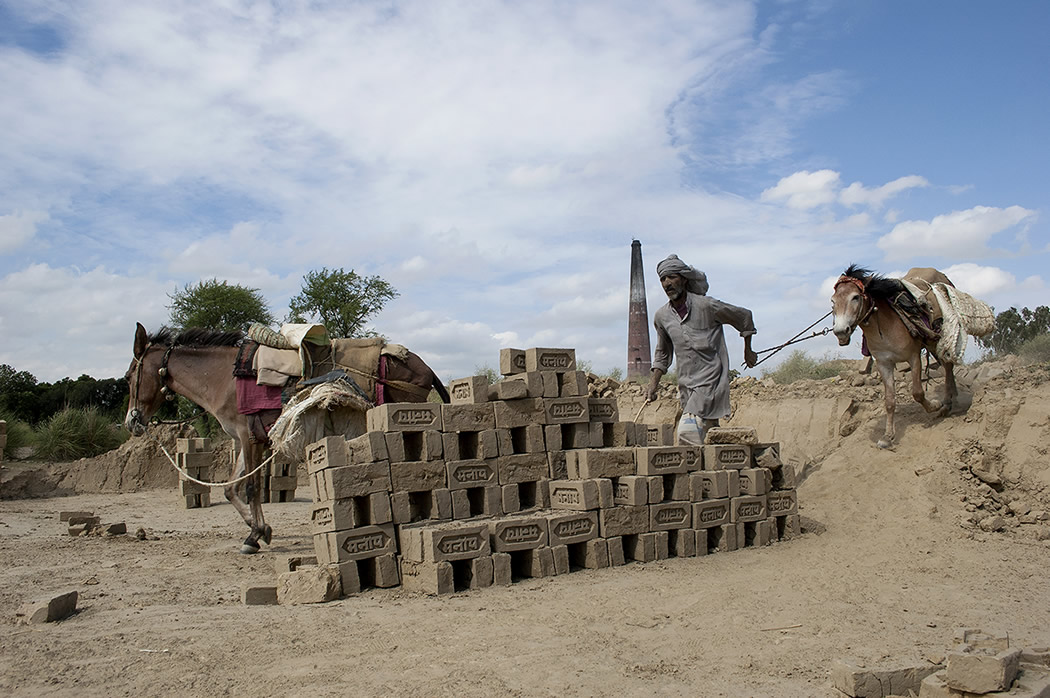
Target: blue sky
494,160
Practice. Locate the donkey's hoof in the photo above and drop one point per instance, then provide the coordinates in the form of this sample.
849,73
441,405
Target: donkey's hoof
249,549
883,443
267,534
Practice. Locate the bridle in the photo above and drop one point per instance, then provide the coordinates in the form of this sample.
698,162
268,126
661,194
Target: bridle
865,298
167,392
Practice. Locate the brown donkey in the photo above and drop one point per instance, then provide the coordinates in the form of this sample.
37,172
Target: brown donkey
863,299
198,364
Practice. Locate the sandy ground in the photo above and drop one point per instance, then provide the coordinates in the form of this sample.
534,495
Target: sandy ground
891,563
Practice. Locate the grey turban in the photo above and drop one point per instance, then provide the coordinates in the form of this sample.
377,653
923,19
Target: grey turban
696,280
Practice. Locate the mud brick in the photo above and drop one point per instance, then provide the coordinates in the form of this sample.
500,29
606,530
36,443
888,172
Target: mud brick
655,487
550,384
745,508
383,571
766,455
592,554
508,390
557,466
623,520
646,547
470,445
603,410
509,502
711,513
477,501
408,507
722,539
355,544
682,542
658,460
552,440
187,487
787,527
461,474
291,562
258,594
351,481
470,390
981,671
600,462
562,564
755,481
616,556
581,495
782,502
513,533
571,528
632,490
533,384
433,578
405,446
511,361
351,512
277,496
90,521
658,435
701,542
575,436
349,577
48,610
547,359
453,540
405,416
675,488
526,495
670,515
714,484
191,461
473,417
480,572
502,569
731,435
526,439
884,680
572,384
369,447
996,641
197,501
518,413
195,445
618,434
284,484
538,562
784,477
566,410
726,456
755,534
329,452
417,476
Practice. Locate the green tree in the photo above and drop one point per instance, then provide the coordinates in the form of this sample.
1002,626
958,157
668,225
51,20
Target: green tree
1013,328
217,305
340,300
20,394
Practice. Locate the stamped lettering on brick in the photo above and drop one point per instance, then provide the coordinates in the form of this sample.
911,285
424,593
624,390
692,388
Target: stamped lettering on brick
713,513
667,460
566,495
322,516
573,527
458,544
566,410
412,417
355,545
461,391
602,410
623,491
672,515
525,533
551,361
750,509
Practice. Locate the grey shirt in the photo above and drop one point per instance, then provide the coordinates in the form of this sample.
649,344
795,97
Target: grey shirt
699,346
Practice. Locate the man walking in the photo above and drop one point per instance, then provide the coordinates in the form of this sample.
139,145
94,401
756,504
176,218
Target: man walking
690,327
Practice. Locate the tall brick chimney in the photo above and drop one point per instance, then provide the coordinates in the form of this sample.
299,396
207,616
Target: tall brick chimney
639,355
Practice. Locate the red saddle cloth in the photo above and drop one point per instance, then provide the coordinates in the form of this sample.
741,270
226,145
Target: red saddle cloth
253,398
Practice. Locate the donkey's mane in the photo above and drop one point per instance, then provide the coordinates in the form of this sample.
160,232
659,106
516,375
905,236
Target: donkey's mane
876,285
196,337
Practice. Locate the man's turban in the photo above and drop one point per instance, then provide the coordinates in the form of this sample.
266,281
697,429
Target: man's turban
696,280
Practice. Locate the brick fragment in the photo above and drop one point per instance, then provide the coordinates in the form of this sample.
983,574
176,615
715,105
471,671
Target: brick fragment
731,435
290,562
258,594
766,455
48,610
859,681
981,671
319,584
67,515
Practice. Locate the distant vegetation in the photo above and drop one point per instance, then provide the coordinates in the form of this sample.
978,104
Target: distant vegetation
1014,329
799,365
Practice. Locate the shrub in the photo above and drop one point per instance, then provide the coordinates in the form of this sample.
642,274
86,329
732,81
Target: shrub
78,433
19,435
1036,349
799,365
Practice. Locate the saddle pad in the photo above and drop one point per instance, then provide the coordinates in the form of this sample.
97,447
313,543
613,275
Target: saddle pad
252,397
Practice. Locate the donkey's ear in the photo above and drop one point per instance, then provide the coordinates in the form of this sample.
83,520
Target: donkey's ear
141,340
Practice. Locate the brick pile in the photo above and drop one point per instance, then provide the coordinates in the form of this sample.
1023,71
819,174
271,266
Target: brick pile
195,457
530,477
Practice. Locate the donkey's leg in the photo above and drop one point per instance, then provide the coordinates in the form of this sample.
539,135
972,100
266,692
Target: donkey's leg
951,390
917,392
260,529
890,398
234,492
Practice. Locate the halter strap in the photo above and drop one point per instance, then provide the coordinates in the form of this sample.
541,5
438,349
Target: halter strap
863,293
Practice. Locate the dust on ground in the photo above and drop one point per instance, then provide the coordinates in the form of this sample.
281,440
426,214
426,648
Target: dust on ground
901,547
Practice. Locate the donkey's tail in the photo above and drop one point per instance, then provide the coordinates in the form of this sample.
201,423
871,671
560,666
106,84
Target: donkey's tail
439,387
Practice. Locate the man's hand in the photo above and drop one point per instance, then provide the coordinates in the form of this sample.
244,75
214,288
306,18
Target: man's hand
750,357
654,384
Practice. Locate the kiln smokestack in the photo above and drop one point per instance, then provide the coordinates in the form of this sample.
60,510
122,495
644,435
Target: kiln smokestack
639,355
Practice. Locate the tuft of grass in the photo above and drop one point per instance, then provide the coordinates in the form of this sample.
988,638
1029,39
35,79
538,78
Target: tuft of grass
1036,349
77,433
19,435
800,366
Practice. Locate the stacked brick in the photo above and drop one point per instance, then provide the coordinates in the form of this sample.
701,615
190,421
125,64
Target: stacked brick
193,456
279,477
530,477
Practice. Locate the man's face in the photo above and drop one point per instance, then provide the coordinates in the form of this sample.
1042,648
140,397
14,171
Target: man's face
674,286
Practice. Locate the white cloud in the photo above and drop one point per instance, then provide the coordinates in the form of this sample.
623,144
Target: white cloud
16,229
978,280
857,194
805,190
956,235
